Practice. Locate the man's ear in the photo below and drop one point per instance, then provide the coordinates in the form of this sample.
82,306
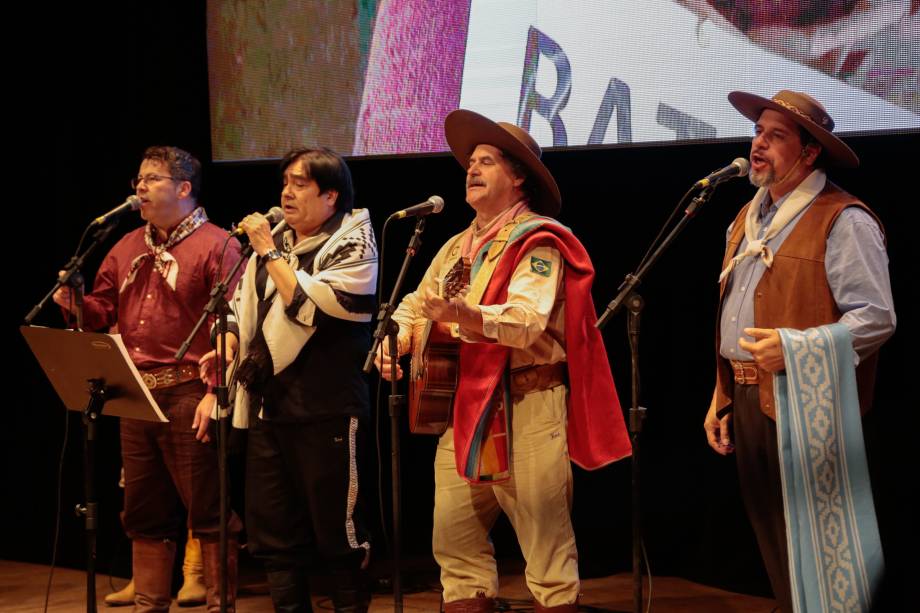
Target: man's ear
810,153
183,189
331,196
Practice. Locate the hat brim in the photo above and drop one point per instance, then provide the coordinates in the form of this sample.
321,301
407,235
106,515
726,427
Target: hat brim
465,130
837,151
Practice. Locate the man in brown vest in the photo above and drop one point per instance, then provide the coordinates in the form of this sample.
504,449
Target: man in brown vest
803,253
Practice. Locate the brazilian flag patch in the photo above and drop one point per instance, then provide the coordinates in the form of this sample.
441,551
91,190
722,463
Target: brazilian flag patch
540,266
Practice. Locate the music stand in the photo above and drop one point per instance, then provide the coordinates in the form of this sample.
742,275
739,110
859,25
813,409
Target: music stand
92,373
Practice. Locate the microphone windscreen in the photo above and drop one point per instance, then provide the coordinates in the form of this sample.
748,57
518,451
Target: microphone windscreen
274,215
744,167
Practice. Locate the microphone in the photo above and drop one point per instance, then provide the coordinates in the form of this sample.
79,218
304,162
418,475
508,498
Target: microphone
274,215
738,168
435,204
132,203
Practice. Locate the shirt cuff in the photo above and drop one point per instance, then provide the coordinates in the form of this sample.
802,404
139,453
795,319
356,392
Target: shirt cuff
297,301
491,313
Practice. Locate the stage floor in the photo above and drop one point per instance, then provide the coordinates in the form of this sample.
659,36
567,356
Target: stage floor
22,589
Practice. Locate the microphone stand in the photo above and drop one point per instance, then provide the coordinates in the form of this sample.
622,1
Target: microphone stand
72,277
89,510
386,327
634,304
218,305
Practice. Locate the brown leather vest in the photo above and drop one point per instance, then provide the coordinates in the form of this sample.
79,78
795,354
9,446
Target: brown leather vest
794,292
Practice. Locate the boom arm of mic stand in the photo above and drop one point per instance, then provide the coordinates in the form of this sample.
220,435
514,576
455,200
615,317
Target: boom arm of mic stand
626,287
633,279
72,268
385,314
218,293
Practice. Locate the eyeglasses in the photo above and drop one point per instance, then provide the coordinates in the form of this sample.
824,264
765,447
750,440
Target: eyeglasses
151,178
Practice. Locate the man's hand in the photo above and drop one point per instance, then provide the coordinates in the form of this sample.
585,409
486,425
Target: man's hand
455,310
63,296
766,349
207,364
436,308
718,432
259,232
203,417
383,361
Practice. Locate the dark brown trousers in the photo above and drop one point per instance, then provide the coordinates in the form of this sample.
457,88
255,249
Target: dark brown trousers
166,469
757,455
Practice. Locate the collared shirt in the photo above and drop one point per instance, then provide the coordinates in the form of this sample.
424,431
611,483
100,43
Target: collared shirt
531,321
152,318
857,272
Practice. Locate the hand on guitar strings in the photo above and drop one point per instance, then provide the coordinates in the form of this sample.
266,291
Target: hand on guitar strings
455,310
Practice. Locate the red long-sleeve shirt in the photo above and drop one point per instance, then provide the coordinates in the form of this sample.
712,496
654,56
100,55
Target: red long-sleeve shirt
152,318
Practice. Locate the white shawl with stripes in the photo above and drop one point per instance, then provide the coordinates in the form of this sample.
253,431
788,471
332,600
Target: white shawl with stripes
347,262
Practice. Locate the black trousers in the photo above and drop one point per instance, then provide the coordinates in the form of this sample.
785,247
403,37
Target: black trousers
757,456
302,494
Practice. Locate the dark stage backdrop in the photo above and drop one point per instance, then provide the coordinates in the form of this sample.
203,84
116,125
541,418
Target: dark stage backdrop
136,75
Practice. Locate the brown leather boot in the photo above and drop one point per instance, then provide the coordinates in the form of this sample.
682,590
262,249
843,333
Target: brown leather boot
480,604
560,608
152,563
210,554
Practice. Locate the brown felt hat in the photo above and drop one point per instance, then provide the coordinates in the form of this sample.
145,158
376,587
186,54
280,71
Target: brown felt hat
805,111
465,130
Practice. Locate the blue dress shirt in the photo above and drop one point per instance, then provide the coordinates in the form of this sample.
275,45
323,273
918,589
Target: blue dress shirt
857,272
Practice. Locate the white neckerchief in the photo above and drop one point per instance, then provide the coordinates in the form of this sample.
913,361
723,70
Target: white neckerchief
163,261
795,202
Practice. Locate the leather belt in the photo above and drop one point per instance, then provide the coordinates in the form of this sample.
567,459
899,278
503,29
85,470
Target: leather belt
537,378
746,373
168,376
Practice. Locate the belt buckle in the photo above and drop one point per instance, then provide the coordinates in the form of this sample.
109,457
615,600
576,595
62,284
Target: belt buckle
149,380
751,378
745,374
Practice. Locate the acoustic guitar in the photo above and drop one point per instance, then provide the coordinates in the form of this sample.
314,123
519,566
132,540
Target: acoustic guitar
435,366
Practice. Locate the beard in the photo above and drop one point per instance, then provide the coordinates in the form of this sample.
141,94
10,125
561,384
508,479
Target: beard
762,178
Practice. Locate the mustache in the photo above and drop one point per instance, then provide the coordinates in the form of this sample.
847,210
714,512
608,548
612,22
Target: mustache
475,181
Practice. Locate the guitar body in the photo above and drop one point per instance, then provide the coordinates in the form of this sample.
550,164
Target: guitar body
435,368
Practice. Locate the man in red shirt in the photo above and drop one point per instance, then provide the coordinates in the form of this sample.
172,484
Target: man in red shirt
153,285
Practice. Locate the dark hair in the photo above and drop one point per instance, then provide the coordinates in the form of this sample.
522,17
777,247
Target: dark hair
329,170
182,165
529,186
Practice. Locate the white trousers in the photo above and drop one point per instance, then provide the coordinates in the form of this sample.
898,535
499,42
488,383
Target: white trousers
537,499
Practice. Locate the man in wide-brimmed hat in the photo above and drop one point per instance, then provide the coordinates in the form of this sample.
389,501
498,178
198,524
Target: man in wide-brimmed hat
801,255
534,385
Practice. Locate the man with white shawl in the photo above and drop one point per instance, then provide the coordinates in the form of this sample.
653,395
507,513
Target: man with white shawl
300,328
